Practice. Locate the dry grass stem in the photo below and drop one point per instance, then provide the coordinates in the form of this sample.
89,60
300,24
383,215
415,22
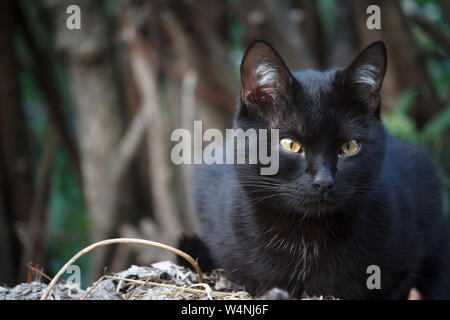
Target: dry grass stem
121,241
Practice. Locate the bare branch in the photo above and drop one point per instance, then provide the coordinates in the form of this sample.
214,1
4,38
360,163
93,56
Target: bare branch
128,146
187,119
164,210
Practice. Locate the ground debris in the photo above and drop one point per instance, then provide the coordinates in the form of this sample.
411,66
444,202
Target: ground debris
165,281
34,291
160,281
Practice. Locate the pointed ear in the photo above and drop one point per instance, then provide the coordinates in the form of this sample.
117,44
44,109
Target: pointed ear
366,73
264,75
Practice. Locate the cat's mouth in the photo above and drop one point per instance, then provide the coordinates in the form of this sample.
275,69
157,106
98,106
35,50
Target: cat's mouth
319,205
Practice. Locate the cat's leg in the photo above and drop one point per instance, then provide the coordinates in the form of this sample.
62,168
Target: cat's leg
196,248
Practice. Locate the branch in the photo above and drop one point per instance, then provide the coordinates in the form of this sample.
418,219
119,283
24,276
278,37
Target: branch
187,119
127,241
213,87
164,210
128,145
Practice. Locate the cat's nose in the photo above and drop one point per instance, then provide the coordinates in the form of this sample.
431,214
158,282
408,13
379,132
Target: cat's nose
323,183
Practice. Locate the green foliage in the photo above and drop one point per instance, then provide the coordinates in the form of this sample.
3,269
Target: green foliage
398,121
434,135
68,219
326,9
434,131
236,35
440,75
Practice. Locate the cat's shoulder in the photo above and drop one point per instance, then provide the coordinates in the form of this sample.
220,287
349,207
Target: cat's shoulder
212,172
213,180
405,149
411,157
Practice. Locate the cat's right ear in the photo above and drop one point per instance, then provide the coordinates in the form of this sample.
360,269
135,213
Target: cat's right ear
264,76
366,73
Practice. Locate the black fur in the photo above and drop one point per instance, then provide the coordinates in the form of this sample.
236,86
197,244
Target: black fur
194,246
384,208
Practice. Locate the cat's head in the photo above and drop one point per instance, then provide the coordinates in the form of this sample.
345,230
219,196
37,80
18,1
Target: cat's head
332,141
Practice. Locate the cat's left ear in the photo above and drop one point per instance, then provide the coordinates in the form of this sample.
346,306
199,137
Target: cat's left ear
264,76
366,73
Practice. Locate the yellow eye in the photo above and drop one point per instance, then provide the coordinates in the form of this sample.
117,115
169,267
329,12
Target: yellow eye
290,145
350,147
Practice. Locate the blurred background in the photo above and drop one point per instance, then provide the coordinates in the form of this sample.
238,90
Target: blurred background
86,115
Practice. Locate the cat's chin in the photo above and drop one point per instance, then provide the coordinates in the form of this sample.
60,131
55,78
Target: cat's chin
319,207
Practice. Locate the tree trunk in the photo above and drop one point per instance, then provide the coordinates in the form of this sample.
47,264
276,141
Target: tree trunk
7,271
306,16
344,44
99,125
405,71
15,160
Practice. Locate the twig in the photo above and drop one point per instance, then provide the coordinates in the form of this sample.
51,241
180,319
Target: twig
138,288
94,286
187,289
42,273
128,241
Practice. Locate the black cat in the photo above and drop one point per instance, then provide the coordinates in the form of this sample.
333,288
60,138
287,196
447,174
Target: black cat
347,195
